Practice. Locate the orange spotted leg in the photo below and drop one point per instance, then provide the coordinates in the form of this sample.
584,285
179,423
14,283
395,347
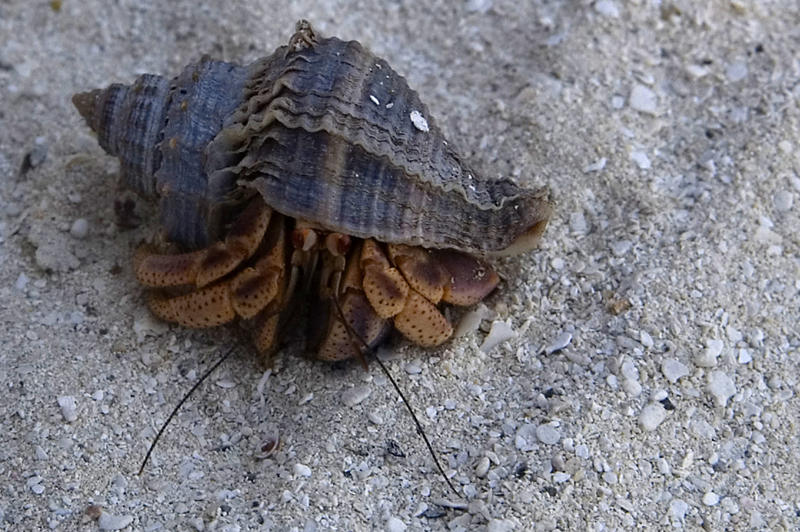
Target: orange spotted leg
244,294
202,267
409,283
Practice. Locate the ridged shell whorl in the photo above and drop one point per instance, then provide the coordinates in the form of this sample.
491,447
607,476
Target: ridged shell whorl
325,132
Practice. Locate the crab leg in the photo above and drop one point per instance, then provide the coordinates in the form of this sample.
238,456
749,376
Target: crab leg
247,293
341,292
421,279
202,267
267,321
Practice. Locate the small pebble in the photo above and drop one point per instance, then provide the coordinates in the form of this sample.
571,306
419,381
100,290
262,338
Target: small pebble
144,324
375,418
736,71
609,477
561,341
548,434
721,386
226,384
674,369
783,200
697,71
707,358
678,509
734,335
38,153
393,524
412,368
525,439
632,387
69,408
710,498
641,159
652,416
596,166
607,8
582,451
40,453
499,525
629,371
55,256
109,521
499,333
80,228
482,467
577,223
479,6
302,470
642,99
646,340
21,282
560,477
353,396
744,356
621,247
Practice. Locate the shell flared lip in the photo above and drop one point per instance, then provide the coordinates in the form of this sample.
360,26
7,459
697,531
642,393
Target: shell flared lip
85,103
529,239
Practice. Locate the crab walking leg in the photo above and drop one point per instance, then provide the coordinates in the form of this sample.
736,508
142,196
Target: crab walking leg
383,284
267,321
341,290
423,323
204,266
256,286
207,307
247,293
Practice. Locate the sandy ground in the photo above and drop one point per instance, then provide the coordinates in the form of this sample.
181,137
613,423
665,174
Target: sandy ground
653,379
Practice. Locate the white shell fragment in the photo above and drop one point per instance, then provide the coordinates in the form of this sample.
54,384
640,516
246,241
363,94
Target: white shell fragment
69,408
721,386
652,416
472,320
708,357
302,470
548,434
353,396
499,333
109,521
419,121
643,99
561,341
674,369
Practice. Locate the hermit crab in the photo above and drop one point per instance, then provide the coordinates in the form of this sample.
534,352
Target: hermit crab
314,175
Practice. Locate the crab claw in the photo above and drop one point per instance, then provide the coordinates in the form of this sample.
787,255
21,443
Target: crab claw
471,279
420,269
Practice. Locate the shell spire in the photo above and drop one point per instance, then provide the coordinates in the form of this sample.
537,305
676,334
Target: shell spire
128,120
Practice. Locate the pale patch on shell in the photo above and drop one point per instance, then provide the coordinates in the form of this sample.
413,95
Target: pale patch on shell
419,121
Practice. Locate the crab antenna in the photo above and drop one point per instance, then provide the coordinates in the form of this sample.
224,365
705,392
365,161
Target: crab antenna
180,404
367,349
